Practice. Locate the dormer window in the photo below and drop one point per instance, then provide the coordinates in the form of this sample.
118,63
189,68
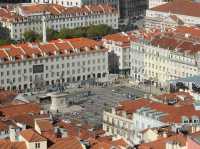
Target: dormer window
185,119
37,145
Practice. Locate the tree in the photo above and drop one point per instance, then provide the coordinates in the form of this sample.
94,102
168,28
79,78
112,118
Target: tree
4,35
79,32
52,34
65,33
32,36
96,31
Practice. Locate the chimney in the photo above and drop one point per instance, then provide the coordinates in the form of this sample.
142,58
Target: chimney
12,133
64,133
113,110
44,32
78,129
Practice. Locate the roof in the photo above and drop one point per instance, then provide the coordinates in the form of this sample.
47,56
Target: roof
122,39
173,114
28,119
120,142
182,39
191,30
182,98
59,46
6,96
72,129
44,125
67,143
22,12
14,110
161,143
117,144
32,136
182,7
7,144
3,126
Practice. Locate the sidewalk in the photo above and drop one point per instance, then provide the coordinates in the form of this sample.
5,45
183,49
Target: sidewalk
149,89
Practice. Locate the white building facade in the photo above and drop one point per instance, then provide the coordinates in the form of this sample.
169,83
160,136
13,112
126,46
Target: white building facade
29,17
26,66
66,3
165,58
129,118
78,3
119,50
154,3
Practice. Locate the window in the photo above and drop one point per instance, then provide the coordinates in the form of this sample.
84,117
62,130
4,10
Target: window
37,145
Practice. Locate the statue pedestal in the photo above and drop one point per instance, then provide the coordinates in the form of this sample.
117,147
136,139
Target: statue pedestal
58,101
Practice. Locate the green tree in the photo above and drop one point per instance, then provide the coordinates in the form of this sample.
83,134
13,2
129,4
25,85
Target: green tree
32,36
65,33
52,34
4,35
80,32
98,31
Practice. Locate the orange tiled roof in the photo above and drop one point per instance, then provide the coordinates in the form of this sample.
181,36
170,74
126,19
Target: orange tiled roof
67,143
183,98
120,142
108,144
173,113
122,39
65,46
32,136
50,136
7,144
118,37
183,39
14,110
28,119
53,9
3,126
6,96
182,7
161,143
44,125
72,130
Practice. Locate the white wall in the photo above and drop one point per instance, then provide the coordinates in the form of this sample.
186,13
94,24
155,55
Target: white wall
66,3
73,67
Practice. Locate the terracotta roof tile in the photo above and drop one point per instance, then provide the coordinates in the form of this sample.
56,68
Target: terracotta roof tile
71,46
6,144
161,143
28,119
14,110
67,143
173,113
3,126
182,7
44,125
53,9
32,136
6,96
